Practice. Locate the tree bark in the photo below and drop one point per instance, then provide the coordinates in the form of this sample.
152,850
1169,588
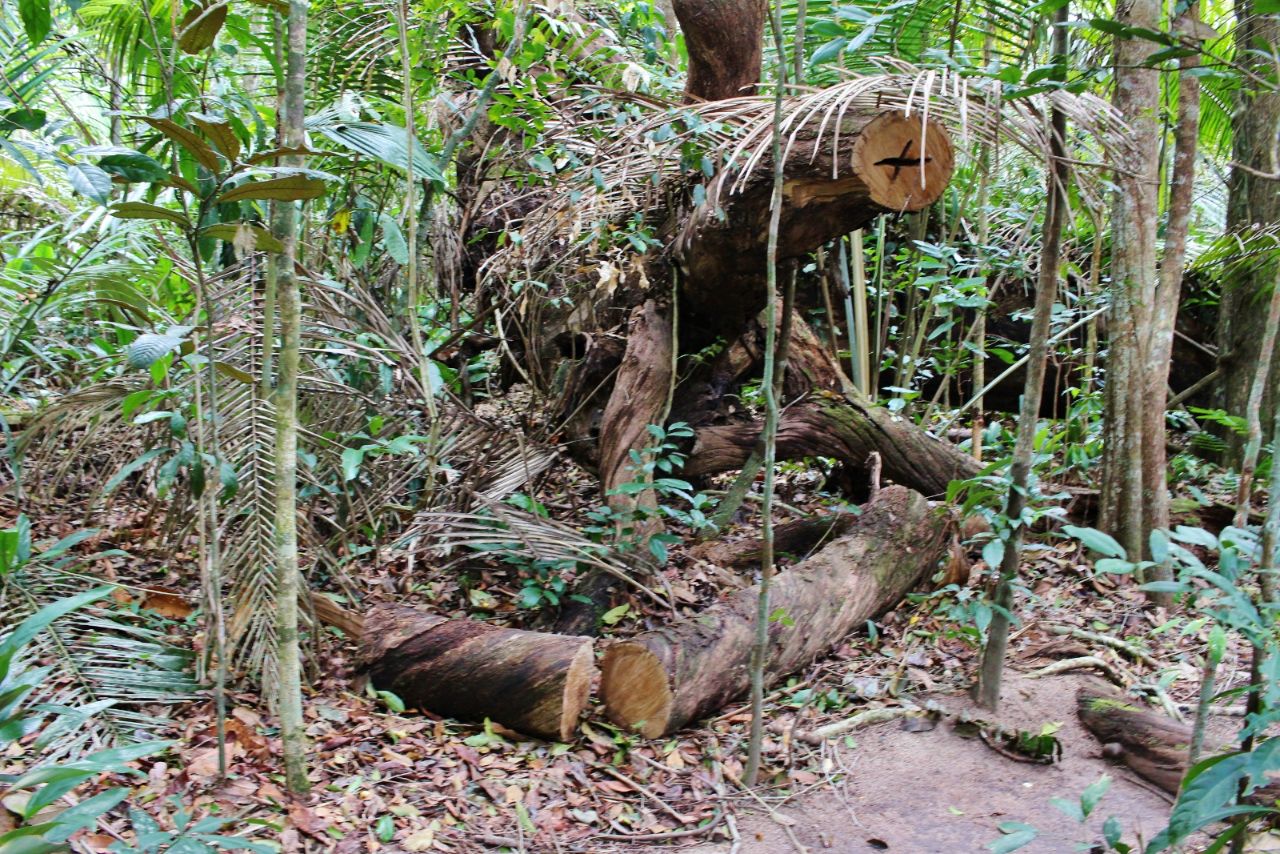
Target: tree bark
1129,485
1253,204
662,680
531,682
725,41
849,428
1155,746
796,537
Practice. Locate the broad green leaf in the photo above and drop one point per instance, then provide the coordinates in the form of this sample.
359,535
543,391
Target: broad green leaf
37,19
199,149
383,142
255,235
142,210
1091,795
134,167
1095,540
199,28
1016,836
89,181
393,239
40,620
289,189
23,119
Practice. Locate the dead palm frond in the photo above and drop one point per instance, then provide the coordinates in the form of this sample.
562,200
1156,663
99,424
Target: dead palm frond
511,533
619,170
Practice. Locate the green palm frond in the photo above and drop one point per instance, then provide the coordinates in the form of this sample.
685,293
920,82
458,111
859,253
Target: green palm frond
107,669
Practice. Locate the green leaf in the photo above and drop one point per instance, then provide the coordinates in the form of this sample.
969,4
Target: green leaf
41,619
393,239
89,181
129,467
383,142
220,132
24,120
255,235
134,167
142,210
1095,540
37,19
1091,795
289,189
1016,836
351,461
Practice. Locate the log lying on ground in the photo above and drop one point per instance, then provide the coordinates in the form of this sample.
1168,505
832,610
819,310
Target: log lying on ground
531,682
1153,745
663,679
849,428
796,537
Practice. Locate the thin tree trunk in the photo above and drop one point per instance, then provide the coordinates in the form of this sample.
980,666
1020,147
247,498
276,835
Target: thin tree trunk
760,648
1165,310
1125,492
988,688
288,584
1253,411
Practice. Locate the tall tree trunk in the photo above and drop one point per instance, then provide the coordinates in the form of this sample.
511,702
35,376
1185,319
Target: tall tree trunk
288,583
1165,310
725,40
1125,491
1253,203
1056,177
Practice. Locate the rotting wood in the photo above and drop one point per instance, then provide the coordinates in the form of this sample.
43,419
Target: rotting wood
848,428
659,681
531,682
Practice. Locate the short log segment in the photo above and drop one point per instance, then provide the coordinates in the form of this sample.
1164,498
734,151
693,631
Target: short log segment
534,683
662,680
840,175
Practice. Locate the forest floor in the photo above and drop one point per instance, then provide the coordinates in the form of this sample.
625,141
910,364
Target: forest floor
387,781
933,792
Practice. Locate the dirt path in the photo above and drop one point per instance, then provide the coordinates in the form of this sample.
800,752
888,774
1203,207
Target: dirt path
937,793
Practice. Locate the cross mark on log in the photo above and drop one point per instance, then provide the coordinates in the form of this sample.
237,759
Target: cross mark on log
903,160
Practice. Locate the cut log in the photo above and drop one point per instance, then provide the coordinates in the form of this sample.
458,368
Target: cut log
534,683
848,428
661,680
840,175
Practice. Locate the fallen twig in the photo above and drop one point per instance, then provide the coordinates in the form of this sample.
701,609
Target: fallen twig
1108,640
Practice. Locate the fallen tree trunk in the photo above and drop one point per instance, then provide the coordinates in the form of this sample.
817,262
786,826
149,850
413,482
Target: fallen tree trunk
848,428
796,537
661,680
531,682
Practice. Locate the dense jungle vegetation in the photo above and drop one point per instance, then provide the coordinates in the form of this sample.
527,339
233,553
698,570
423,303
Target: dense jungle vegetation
579,426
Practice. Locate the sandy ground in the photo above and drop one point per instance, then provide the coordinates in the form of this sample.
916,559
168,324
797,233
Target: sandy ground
935,792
